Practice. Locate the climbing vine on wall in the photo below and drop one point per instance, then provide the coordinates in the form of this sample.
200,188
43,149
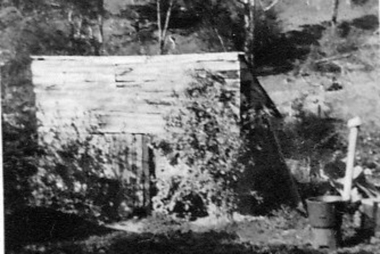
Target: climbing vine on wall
204,145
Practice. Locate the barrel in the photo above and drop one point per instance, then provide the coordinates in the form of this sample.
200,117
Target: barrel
325,217
370,220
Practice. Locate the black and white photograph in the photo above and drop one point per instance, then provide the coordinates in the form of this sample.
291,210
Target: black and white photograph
190,126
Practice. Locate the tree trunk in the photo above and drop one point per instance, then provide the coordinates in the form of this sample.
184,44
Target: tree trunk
163,31
158,10
335,12
100,39
249,24
220,39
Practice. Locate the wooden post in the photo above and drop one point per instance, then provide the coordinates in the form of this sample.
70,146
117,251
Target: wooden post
353,125
145,173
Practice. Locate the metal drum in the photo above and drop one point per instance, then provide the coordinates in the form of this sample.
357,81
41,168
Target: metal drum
325,217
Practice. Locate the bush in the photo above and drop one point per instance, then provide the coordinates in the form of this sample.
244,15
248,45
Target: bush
76,175
19,132
368,154
286,218
311,137
19,163
205,142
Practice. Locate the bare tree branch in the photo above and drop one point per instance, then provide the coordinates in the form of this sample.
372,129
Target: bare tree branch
159,21
243,2
70,16
100,35
163,31
269,6
220,39
168,14
328,59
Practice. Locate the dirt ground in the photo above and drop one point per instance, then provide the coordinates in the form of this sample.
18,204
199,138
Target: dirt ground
286,232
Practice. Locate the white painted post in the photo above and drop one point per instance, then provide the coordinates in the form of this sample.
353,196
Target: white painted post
353,125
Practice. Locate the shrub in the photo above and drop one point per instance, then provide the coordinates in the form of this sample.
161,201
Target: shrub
19,132
286,218
19,163
76,175
368,153
206,142
311,137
